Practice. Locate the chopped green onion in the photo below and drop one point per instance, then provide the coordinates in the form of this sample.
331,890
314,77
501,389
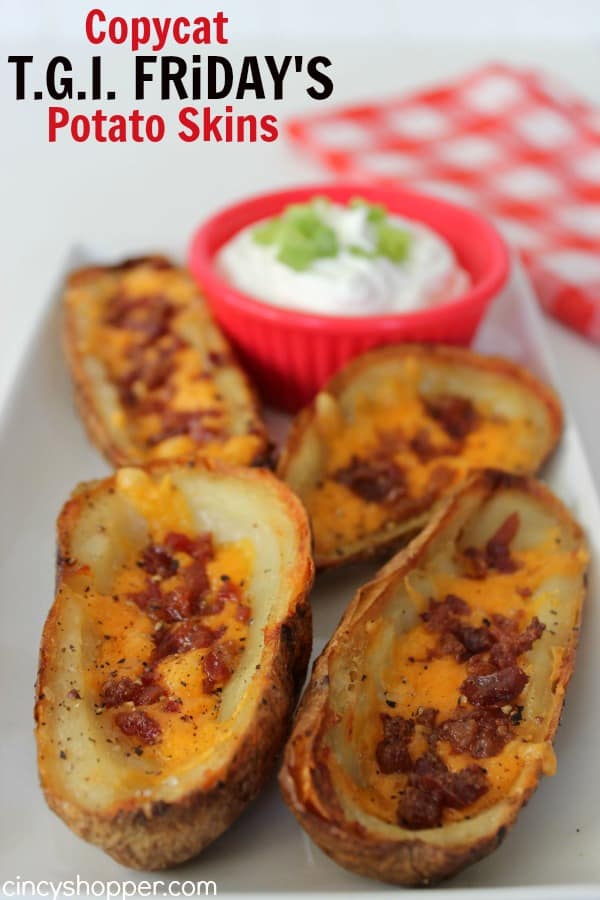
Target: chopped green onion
301,236
375,211
355,250
297,256
393,242
268,232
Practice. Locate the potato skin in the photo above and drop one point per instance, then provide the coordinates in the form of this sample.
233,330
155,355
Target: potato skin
410,862
305,779
357,371
160,834
104,436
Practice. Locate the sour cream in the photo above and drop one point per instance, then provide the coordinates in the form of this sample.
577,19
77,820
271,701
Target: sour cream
347,284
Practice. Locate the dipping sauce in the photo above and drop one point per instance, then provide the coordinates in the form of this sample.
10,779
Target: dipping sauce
354,260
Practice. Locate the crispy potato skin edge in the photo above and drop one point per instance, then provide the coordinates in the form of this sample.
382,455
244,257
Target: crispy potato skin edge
93,422
305,782
498,365
161,835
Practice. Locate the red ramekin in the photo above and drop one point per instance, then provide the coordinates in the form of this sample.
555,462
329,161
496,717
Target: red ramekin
290,354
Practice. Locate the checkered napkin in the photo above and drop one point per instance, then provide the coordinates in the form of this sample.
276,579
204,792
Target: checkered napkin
511,143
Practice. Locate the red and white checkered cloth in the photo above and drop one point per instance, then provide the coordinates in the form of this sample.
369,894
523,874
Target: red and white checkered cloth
506,141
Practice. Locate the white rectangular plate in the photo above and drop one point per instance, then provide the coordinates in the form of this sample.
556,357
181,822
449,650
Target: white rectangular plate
554,849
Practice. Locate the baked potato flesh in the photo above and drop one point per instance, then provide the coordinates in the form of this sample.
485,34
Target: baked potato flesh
154,377
399,427
430,715
171,658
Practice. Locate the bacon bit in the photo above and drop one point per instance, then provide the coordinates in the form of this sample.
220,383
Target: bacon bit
74,694
377,480
448,645
228,592
188,596
457,605
243,613
139,724
474,640
427,717
186,599
382,480
481,665
211,606
150,600
182,638
456,415
475,564
480,732
151,367
463,788
152,372
391,752
157,560
441,614
191,423
123,690
423,448
421,445
432,786
463,641
196,582
496,554
419,809
456,639
495,689
218,666
200,547
529,636
511,642
150,316
172,706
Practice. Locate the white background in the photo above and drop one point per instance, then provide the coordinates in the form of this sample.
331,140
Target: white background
136,197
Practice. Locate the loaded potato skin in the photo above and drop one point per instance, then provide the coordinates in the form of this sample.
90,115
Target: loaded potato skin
397,429
154,378
430,715
172,657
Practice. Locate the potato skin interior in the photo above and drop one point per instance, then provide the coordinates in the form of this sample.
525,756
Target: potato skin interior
172,657
397,429
154,377
377,726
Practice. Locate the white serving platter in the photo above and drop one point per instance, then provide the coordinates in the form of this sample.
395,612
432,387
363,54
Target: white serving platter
552,852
